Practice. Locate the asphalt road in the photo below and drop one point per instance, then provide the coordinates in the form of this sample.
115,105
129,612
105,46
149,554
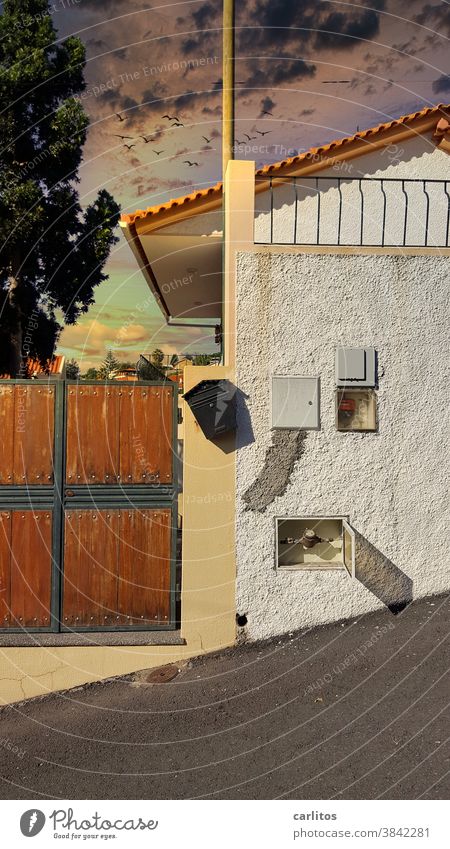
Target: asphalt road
350,711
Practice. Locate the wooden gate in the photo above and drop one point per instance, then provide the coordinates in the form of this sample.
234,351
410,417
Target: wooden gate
87,505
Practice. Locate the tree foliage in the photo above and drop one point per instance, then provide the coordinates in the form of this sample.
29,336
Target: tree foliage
109,366
157,357
91,374
201,360
72,370
53,252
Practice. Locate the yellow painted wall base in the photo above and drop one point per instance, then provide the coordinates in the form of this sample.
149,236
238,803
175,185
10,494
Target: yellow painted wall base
29,672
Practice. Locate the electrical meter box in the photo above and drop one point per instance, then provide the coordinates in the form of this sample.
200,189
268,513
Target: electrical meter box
356,409
295,402
355,367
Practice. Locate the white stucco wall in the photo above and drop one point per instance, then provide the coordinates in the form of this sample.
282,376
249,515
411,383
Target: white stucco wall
416,159
293,310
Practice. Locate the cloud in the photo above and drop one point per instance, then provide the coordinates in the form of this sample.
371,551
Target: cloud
190,45
212,110
341,31
310,23
436,14
90,338
205,15
277,72
442,84
267,105
106,4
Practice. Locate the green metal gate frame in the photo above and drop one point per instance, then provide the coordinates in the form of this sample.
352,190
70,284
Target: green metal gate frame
54,498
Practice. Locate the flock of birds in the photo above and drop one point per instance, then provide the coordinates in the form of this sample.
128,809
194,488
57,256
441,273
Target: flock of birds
147,140
176,122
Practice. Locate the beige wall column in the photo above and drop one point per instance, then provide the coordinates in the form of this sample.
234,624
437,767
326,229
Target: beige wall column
239,198
209,472
208,606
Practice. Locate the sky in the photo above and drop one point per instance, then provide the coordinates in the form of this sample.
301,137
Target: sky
321,69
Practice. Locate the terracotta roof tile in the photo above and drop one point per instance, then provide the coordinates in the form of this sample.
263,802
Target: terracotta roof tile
34,368
338,144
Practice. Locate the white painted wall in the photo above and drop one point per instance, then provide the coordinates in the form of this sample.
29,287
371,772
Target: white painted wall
293,309
417,158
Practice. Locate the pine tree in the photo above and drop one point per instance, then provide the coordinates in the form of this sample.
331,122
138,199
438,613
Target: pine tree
109,366
52,252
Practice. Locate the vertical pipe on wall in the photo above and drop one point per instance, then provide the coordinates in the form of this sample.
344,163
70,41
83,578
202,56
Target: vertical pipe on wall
228,85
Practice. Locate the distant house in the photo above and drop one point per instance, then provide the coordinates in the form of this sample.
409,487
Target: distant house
34,369
126,374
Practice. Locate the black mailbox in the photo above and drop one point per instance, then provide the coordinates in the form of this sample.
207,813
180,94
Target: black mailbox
213,403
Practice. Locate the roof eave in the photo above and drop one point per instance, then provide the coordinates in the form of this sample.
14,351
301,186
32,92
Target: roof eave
135,244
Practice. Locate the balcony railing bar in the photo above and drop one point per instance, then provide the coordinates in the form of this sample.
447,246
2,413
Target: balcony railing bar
314,185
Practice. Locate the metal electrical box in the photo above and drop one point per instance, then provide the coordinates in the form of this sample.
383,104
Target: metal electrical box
355,366
295,402
315,542
213,403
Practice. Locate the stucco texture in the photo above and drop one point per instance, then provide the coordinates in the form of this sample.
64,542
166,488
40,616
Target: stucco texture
293,310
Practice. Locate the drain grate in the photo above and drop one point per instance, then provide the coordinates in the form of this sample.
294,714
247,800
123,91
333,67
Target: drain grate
162,675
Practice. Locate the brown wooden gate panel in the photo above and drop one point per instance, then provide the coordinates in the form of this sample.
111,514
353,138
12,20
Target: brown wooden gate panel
90,568
117,567
87,505
119,434
92,434
7,434
144,566
25,568
146,435
27,420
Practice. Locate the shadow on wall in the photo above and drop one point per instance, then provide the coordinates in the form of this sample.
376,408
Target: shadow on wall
245,435
382,577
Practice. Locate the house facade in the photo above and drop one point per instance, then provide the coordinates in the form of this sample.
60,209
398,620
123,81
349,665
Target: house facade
327,500
335,317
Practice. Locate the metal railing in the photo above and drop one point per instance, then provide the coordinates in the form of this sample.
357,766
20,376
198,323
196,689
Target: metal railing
361,211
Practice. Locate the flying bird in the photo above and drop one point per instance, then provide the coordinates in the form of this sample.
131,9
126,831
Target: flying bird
170,117
122,137
265,112
158,152
186,162
208,141
146,141
178,124
119,117
129,146
263,134
238,141
250,138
